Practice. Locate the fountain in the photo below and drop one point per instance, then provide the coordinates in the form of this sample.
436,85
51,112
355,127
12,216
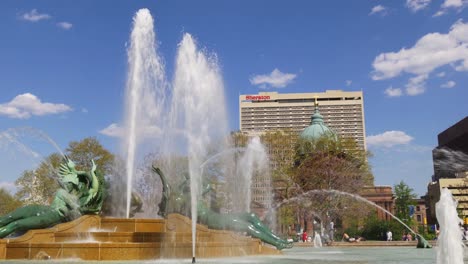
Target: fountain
196,126
449,243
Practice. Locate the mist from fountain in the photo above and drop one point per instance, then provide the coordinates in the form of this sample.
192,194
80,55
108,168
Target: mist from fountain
253,163
449,241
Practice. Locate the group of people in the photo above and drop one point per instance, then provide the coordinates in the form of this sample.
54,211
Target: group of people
407,237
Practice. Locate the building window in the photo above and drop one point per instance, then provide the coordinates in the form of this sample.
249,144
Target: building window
418,209
418,217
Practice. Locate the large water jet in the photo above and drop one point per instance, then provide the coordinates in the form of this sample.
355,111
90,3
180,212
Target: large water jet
145,92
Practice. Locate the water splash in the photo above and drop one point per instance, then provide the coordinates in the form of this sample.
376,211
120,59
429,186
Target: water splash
450,247
145,92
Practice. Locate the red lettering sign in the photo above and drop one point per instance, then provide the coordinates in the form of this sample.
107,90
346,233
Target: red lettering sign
257,97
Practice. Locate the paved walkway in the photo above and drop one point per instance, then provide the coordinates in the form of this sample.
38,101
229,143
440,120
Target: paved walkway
368,243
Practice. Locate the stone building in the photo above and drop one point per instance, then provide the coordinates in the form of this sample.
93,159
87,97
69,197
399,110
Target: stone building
450,159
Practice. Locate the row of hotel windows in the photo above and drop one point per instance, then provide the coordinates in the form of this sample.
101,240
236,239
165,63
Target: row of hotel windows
301,122
300,126
325,113
304,108
300,115
308,108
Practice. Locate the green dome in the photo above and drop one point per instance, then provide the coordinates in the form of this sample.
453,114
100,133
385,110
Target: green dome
317,128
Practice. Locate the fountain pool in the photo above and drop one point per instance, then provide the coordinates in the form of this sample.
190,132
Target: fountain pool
302,255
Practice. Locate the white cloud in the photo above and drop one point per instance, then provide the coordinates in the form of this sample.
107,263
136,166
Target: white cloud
449,84
348,82
34,16
84,110
450,4
378,9
276,79
115,130
430,52
440,74
439,13
416,85
393,92
65,25
389,139
24,106
416,5
453,3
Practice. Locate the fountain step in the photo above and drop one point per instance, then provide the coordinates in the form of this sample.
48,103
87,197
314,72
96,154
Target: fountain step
129,251
135,237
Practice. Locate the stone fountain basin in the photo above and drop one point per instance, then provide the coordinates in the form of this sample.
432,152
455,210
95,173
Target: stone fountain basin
96,238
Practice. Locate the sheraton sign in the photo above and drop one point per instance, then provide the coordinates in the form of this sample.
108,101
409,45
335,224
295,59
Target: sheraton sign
257,97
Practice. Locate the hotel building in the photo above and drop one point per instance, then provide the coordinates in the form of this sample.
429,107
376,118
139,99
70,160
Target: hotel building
342,111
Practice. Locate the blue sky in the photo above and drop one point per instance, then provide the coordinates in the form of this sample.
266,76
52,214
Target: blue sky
63,65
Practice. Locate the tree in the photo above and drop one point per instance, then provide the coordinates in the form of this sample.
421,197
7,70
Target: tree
331,163
82,152
38,186
404,199
8,202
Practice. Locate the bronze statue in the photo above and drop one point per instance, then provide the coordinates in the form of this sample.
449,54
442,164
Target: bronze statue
80,193
179,201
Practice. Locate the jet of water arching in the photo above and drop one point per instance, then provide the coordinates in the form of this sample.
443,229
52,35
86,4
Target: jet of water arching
355,196
198,92
31,132
219,154
145,92
450,247
13,136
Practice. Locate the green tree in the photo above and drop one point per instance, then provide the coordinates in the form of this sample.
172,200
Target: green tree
8,202
82,152
404,199
38,186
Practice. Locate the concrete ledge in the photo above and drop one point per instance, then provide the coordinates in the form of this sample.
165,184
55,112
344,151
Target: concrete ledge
367,243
